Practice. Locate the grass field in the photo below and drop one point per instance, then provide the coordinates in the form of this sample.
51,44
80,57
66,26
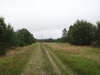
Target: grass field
51,59
83,60
15,60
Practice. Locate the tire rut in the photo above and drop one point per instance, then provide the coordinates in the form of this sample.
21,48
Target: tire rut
35,64
56,69
67,70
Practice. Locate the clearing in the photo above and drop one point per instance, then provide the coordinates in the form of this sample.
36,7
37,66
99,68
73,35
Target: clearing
44,62
51,59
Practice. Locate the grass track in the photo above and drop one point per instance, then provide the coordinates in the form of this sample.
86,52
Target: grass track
51,59
39,64
64,70
82,60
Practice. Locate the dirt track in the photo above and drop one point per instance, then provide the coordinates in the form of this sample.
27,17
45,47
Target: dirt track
37,64
34,66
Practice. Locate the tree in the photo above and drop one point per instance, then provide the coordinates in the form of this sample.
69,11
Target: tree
97,35
59,40
25,37
2,35
81,33
64,35
10,36
98,32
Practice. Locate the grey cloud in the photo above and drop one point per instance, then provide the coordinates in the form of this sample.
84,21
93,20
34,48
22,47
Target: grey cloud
48,17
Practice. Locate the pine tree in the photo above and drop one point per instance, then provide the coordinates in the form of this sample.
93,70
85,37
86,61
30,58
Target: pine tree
2,36
64,35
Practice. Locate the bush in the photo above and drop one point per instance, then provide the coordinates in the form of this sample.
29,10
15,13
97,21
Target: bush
81,33
95,44
2,51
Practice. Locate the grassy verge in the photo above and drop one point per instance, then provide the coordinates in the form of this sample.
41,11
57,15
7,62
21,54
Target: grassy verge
79,64
14,63
82,60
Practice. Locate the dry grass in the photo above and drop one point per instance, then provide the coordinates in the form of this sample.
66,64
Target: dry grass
15,60
85,51
84,60
16,50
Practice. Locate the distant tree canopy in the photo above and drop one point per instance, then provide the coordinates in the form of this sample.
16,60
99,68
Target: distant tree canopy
97,35
25,37
8,37
2,35
59,40
63,38
98,32
81,33
64,35
46,40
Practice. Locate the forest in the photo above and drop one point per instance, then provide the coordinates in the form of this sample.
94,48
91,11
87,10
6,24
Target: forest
10,38
80,33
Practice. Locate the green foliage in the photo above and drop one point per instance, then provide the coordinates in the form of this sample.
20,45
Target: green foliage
81,33
25,37
63,39
2,36
59,40
46,40
97,35
98,32
9,38
64,35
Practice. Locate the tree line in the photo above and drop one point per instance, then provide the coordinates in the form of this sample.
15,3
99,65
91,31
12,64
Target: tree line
46,40
82,33
9,37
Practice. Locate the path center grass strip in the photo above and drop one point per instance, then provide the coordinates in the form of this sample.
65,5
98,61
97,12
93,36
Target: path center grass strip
63,68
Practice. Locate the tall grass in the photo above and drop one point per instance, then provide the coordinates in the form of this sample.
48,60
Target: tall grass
82,60
15,61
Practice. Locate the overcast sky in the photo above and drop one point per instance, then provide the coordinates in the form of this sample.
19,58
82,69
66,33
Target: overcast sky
48,17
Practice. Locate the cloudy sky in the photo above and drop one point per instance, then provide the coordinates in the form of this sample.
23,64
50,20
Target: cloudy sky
48,17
